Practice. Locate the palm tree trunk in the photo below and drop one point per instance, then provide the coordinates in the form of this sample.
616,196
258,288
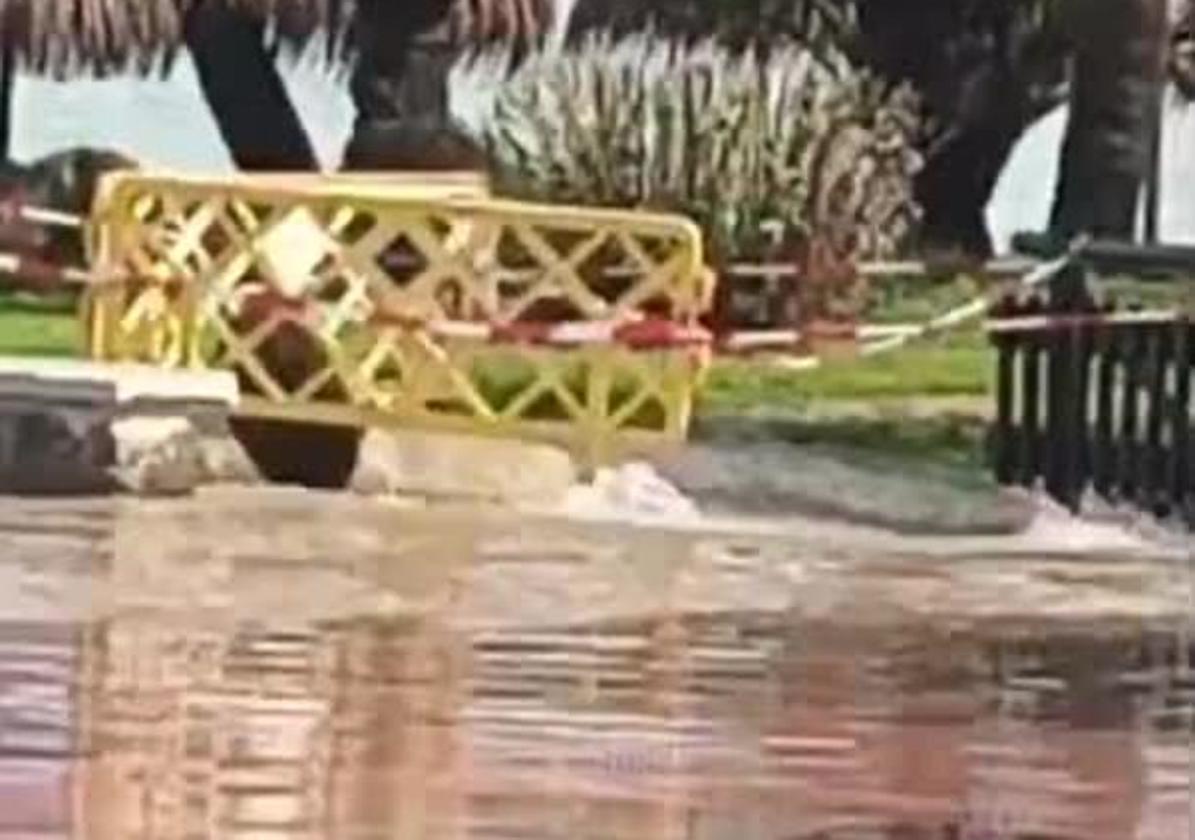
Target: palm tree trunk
263,131
244,90
980,72
7,83
400,88
1119,59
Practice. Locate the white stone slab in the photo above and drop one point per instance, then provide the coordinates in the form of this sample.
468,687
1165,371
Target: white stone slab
41,380
461,468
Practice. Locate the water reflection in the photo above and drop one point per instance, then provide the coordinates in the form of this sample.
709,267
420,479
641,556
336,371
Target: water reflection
456,714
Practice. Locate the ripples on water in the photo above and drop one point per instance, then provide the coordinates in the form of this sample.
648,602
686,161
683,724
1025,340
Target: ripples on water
344,672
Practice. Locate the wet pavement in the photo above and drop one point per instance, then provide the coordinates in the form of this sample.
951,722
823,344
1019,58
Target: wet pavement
253,663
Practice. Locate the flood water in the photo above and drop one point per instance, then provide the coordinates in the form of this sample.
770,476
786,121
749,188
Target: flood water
291,665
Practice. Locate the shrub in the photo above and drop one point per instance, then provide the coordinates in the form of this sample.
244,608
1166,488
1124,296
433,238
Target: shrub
767,154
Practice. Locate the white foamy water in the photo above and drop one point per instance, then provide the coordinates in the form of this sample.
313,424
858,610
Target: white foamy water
1055,529
637,494
633,492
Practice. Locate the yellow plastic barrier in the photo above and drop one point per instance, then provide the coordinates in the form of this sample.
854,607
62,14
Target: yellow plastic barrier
420,304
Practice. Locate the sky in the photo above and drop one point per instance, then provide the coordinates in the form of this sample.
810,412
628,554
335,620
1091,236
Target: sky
166,123
1021,200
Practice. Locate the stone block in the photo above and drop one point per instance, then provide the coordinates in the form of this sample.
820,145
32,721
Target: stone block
48,450
72,427
83,427
157,455
461,468
131,387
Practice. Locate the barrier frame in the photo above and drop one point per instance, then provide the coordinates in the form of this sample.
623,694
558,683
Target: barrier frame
161,293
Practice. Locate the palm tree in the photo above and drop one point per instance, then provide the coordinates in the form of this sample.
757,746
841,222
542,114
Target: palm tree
1118,70
986,69
404,52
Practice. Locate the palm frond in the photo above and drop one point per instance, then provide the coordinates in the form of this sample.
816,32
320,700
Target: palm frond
793,144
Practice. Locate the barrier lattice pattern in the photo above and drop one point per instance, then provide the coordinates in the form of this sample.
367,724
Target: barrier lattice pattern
339,303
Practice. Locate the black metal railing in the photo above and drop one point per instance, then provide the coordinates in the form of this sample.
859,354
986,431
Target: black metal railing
1092,396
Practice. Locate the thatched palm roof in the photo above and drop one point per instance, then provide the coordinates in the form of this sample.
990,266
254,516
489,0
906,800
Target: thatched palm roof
735,22
73,37
744,22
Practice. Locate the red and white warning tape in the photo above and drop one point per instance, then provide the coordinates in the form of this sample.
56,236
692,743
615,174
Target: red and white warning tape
970,311
36,273
31,271
659,333
46,216
645,334
762,341
642,334
1043,323
637,334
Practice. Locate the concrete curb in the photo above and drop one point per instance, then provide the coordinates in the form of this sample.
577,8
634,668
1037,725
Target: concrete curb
77,427
85,428
80,428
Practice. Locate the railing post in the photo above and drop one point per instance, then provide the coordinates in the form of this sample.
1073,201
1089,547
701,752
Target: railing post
1068,294
1031,400
1154,465
1078,472
1123,428
1005,444
1180,416
1104,452
1127,466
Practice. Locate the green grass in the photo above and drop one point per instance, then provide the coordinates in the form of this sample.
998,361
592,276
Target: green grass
957,366
43,326
913,299
951,366
923,402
